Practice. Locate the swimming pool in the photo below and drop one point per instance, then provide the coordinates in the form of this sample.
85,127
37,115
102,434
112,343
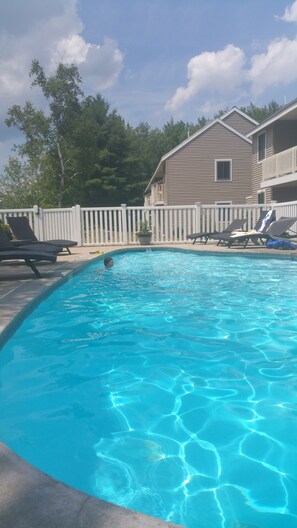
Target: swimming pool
167,385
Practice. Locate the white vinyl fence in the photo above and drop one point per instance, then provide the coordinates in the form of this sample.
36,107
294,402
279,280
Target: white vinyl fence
95,226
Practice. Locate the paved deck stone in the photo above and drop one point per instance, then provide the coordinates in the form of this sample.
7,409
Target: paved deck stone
31,499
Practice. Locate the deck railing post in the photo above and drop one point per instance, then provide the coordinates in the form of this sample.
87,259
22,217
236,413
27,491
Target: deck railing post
198,217
38,220
124,224
76,224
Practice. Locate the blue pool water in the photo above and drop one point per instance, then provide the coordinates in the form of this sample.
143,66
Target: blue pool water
167,384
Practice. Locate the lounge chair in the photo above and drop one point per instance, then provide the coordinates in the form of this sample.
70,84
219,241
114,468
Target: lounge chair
236,224
278,230
22,230
254,235
6,244
281,229
29,256
202,235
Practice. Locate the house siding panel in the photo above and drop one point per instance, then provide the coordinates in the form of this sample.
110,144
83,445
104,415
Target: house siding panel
257,166
239,123
269,152
190,173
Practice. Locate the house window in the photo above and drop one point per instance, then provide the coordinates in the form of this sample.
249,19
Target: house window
261,197
223,211
223,169
261,146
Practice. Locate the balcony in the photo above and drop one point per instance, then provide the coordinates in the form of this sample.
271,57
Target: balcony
281,168
157,195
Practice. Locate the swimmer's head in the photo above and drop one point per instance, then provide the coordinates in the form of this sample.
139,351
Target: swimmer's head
108,262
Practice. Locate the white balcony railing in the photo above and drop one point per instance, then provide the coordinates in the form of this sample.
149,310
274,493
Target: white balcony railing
157,194
280,164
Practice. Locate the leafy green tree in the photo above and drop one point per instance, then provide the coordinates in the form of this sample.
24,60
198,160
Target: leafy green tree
21,188
36,128
149,145
50,136
101,148
261,113
201,122
81,151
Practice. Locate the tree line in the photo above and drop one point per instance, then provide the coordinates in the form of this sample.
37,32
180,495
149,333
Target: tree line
80,151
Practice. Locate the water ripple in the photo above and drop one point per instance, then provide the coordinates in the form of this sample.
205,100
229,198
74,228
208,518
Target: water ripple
167,385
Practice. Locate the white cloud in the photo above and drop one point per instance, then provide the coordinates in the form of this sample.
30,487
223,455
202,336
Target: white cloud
102,64
211,73
277,66
99,65
73,49
220,79
52,34
50,31
290,14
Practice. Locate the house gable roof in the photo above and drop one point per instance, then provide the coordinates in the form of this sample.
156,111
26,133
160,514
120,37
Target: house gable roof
194,136
282,113
237,111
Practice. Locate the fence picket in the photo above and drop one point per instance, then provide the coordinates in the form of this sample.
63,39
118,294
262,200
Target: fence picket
117,225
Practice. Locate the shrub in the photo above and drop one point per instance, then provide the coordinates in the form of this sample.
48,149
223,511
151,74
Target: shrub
6,229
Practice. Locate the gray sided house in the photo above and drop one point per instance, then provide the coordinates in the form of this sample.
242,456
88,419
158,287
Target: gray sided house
213,166
274,161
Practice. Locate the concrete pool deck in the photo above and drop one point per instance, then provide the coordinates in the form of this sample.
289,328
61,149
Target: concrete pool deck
28,497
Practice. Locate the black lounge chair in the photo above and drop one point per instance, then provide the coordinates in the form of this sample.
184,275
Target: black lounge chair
205,235
277,230
6,244
22,230
236,224
281,229
10,252
29,257
242,238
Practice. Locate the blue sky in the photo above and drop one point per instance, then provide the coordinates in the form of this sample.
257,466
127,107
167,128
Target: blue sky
152,59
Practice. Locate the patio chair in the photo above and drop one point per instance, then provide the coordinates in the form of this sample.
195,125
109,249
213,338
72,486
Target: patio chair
236,224
6,244
278,230
22,230
254,235
10,252
29,257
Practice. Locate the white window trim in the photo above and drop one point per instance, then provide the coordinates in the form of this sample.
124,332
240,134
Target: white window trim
258,151
223,202
231,175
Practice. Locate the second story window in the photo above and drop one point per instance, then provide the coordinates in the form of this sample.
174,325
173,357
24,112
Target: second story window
261,146
223,170
261,197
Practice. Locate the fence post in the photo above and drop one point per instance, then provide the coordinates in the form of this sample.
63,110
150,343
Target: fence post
38,221
272,205
76,224
198,217
124,224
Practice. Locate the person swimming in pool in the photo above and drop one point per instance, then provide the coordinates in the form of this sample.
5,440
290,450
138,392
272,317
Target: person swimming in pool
108,263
